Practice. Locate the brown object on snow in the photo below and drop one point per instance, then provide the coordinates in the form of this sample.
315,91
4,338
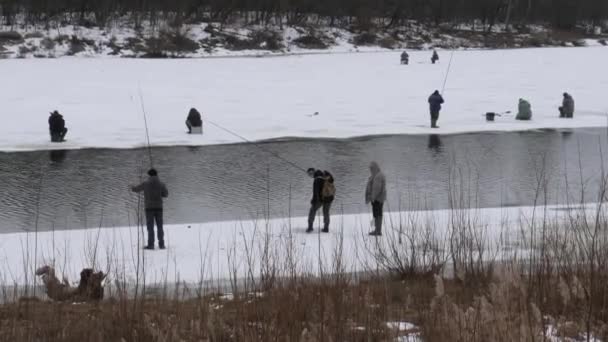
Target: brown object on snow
90,287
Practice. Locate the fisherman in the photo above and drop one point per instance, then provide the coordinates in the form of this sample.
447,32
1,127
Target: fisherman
194,120
154,192
435,102
57,127
405,58
524,111
435,57
323,193
375,193
567,108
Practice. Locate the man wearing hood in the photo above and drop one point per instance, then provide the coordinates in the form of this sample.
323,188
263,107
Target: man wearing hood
524,110
57,127
375,193
435,102
154,192
194,120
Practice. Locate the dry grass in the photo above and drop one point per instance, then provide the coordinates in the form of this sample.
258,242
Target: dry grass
312,310
302,310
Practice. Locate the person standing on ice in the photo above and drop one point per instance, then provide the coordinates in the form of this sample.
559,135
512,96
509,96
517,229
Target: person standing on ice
405,58
375,193
435,102
323,193
435,57
194,120
57,127
567,108
154,192
524,110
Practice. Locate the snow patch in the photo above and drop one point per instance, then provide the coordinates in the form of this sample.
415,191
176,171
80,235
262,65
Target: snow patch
214,252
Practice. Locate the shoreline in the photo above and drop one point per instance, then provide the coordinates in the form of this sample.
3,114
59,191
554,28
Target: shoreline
213,247
288,139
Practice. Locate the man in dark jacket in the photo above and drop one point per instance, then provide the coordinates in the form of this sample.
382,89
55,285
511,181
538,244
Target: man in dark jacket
405,58
319,199
57,127
435,102
194,119
567,108
435,57
154,192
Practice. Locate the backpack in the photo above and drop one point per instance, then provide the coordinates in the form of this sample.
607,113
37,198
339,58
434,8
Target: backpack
329,189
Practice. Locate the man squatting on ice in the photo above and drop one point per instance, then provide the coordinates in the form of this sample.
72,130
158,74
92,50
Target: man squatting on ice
194,120
323,194
57,127
524,110
375,193
154,192
567,108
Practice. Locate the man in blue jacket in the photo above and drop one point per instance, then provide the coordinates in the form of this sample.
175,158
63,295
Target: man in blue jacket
435,102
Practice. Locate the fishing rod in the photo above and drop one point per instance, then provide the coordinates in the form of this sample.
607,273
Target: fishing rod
143,109
276,155
445,80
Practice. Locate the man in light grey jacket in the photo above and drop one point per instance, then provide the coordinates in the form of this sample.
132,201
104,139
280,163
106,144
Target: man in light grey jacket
154,192
375,193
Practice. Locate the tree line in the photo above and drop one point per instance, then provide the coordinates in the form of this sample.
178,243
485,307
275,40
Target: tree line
563,14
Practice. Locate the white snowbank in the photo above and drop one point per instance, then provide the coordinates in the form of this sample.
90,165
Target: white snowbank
55,43
355,95
212,252
553,335
400,326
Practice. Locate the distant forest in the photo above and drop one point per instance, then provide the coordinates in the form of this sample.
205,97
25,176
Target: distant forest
563,14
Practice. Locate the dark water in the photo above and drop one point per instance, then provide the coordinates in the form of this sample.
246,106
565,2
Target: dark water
72,189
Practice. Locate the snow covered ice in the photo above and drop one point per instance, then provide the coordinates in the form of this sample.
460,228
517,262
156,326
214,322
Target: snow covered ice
263,98
213,251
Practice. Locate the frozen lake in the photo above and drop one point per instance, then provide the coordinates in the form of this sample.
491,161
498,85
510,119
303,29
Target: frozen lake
263,98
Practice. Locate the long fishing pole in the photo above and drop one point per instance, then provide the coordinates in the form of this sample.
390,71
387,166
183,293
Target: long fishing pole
143,109
447,74
276,155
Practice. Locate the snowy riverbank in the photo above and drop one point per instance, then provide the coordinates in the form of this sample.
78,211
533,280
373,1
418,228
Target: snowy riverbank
134,38
215,252
354,94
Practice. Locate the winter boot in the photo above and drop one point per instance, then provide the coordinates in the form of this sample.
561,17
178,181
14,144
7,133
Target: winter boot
378,224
